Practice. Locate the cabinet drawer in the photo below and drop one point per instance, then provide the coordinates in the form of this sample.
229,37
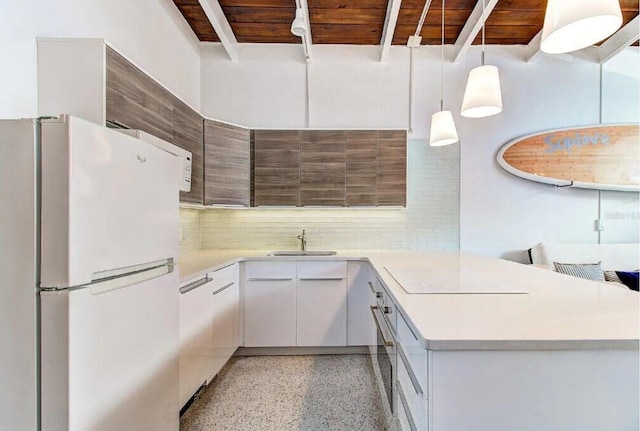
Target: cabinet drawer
270,270
402,419
413,354
325,270
223,276
413,404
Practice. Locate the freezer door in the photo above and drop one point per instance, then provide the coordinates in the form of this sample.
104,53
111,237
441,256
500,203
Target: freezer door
109,201
110,360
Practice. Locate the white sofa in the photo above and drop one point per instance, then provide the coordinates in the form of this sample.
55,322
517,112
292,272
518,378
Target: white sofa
614,257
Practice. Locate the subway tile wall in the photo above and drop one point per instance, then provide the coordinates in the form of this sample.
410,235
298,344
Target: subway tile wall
430,221
190,226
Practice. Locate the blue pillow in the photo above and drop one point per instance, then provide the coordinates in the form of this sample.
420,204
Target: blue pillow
629,279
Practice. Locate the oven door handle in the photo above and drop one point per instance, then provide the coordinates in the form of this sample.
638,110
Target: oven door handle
388,341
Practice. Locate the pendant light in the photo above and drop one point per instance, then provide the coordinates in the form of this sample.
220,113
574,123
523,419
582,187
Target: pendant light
482,97
443,129
299,26
570,25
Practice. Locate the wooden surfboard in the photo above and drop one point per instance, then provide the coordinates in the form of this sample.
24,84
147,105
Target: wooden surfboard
603,157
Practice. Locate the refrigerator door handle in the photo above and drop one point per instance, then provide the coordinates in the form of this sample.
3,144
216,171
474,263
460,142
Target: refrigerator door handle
106,281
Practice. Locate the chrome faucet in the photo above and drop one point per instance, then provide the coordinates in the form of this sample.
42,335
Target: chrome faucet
303,240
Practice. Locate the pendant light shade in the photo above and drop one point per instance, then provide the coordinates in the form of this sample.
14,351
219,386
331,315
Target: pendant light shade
298,26
570,25
443,129
482,97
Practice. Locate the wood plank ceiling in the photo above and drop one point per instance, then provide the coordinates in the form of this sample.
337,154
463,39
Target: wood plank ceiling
361,22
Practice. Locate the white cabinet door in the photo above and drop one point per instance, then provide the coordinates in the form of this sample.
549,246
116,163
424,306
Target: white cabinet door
270,313
196,338
361,330
225,324
322,313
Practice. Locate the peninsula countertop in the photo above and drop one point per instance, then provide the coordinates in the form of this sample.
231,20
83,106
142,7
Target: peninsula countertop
556,312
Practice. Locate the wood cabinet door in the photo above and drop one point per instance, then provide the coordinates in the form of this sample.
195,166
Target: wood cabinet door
362,168
276,178
323,167
136,101
392,167
187,134
227,164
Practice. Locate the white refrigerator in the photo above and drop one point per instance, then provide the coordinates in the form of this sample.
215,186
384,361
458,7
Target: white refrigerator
88,290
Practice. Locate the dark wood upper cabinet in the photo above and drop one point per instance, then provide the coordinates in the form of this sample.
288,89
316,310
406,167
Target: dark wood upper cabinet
276,168
362,167
323,166
227,165
334,168
392,167
135,101
188,134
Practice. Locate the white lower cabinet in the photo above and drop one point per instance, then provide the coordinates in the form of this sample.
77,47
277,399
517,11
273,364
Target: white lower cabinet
321,313
225,332
209,309
270,313
196,337
361,330
295,303
270,304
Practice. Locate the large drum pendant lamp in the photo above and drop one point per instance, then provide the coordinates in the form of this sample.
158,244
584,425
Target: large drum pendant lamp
443,129
570,25
482,96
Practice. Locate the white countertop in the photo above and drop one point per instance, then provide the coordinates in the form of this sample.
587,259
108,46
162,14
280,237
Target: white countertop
558,312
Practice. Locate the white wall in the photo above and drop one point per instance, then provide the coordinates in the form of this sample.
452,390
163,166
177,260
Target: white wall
150,32
500,214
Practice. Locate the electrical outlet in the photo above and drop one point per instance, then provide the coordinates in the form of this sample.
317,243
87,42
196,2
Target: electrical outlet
599,225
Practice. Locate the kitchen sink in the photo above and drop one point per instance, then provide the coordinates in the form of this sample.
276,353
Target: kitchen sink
302,253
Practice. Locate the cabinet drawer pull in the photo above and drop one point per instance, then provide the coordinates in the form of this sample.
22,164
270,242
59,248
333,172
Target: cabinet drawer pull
407,325
412,375
269,279
191,286
223,288
405,405
371,287
321,279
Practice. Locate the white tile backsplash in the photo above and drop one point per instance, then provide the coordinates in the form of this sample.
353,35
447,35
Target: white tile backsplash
190,225
430,221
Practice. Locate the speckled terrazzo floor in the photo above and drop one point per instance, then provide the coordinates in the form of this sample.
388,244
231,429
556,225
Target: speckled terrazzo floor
289,393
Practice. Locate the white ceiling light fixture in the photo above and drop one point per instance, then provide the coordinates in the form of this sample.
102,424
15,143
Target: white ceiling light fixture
570,25
299,26
443,128
482,97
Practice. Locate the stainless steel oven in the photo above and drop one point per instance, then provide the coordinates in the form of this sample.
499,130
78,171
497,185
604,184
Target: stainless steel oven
385,351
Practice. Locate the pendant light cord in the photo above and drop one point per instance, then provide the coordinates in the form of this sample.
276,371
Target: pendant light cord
483,32
442,62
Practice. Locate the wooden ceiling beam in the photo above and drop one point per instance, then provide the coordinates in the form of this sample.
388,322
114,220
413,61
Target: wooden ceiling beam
393,10
214,13
533,48
472,28
621,39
